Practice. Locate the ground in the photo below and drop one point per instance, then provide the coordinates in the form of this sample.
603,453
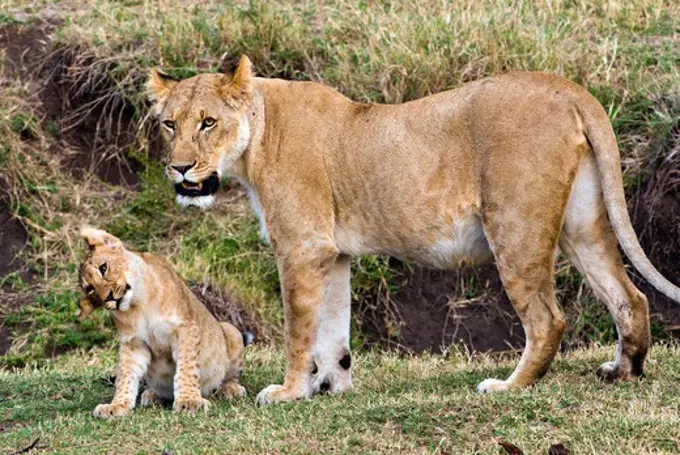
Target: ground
400,404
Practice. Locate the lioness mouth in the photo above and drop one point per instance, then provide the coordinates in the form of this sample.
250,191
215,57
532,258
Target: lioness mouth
196,189
187,184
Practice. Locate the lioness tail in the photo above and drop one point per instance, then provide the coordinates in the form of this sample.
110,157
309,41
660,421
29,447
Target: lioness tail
600,135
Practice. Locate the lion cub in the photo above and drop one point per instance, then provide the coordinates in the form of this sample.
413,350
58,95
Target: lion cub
167,336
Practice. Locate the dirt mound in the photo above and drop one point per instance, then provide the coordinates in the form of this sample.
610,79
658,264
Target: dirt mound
222,304
95,118
433,309
23,46
655,211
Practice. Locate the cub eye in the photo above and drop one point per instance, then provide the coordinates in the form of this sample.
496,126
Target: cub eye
208,122
103,268
89,289
169,124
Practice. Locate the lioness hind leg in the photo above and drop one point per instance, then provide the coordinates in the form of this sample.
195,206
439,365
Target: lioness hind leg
522,218
587,238
534,300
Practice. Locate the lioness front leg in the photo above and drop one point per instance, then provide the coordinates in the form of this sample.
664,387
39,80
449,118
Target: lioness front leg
332,356
133,360
186,382
303,273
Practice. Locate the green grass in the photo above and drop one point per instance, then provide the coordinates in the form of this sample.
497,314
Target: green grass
423,404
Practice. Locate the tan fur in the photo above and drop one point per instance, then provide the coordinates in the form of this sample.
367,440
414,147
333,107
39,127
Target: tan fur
166,335
505,168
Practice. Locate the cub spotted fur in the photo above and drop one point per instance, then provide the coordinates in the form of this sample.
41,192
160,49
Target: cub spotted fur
507,168
167,336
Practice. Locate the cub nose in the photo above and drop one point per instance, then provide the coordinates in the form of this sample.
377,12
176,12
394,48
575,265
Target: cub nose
182,169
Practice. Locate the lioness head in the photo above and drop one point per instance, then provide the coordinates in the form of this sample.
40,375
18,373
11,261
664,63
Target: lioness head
204,127
104,275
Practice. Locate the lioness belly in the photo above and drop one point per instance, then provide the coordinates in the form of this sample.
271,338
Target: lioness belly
438,245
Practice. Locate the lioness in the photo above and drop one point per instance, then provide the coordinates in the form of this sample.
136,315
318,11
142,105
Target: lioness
507,168
166,334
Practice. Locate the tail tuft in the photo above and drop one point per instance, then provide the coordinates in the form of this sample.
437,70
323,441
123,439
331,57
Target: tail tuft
248,338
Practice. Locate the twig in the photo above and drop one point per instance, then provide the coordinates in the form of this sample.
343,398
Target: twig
27,448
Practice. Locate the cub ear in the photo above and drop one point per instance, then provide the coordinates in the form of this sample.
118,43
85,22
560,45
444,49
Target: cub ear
158,88
237,91
97,237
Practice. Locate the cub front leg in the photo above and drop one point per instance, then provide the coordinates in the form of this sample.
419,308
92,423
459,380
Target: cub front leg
303,272
186,382
133,360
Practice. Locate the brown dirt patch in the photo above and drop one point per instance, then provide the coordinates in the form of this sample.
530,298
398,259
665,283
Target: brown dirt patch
23,46
13,238
432,311
10,302
655,211
96,124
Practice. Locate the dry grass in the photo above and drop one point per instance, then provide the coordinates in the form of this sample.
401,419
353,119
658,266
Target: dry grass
424,404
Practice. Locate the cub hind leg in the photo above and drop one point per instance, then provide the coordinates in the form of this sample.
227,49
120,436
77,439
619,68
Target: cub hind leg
235,343
587,238
150,398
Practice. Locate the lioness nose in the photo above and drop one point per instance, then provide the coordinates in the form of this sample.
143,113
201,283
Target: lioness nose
182,169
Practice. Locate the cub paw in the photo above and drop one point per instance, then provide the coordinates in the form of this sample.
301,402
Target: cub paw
191,404
149,398
492,385
232,390
280,393
108,411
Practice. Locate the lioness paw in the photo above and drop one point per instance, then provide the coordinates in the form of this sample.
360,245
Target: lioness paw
332,382
107,411
612,371
280,393
191,404
492,385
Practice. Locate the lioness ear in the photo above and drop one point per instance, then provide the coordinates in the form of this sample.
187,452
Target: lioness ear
159,87
97,237
237,91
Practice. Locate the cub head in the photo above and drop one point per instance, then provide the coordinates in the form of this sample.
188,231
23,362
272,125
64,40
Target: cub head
204,127
104,276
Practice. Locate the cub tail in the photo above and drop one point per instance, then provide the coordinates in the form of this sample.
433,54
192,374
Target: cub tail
248,338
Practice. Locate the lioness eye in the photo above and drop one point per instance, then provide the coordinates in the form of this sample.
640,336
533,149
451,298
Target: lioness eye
169,124
208,122
102,268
